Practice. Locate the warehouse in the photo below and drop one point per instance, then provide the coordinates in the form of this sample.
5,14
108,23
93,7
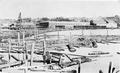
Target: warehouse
62,25
42,25
67,25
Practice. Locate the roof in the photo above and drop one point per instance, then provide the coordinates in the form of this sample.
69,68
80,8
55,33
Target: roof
99,20
69,23
110,19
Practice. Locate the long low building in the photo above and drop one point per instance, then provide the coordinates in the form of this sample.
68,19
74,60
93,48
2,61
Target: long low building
61,25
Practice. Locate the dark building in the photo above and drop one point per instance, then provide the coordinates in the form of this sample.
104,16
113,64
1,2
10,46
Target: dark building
68,25
42,25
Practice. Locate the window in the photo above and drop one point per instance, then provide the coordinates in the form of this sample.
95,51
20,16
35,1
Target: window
60,27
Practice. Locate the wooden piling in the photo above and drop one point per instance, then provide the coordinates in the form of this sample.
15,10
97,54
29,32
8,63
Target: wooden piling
32,51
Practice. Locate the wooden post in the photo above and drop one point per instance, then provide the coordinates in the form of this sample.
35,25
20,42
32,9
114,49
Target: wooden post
9,50
32,51
23,44
82,32
26,56
18,37
70,38
58,36
107,37
23,36
44,48
110,67
18,43
79,66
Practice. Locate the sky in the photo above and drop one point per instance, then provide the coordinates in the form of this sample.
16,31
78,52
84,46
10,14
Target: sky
57,8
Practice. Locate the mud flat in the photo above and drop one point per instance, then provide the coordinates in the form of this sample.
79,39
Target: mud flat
100,63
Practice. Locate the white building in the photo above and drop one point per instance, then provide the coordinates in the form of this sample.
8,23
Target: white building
67,25
111,24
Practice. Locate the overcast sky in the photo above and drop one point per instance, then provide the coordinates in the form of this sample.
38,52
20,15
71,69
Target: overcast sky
54,8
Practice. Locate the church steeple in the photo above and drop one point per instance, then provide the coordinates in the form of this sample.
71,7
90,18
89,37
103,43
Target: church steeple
19,21
19,18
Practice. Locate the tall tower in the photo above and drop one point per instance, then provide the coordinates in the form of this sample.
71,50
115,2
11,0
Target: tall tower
19,21
19,18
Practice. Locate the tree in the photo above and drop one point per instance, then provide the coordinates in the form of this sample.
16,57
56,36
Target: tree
45,19
92,23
